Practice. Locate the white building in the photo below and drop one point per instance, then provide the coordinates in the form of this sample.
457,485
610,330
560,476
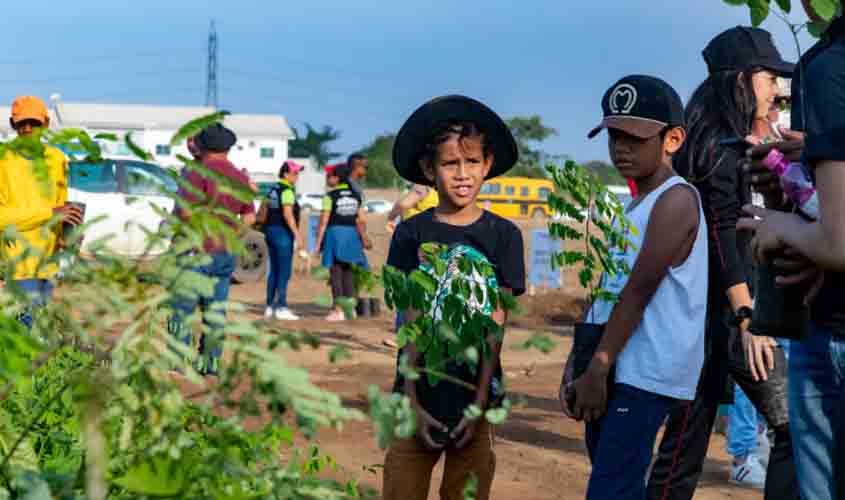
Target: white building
262,139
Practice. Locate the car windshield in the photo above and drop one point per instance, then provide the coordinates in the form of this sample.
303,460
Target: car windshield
148,179
93,177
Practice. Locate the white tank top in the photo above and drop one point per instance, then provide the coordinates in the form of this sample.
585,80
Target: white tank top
666,351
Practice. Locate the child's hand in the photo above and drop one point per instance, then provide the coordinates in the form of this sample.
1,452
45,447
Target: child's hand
590,395
465,431
426,423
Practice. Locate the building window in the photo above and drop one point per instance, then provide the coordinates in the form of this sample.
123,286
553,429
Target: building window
544,193
162,150
268,152
510,190
523,191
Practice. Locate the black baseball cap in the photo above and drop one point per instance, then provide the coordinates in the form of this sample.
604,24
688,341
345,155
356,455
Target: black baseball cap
740,48
640,105
416,132
216,137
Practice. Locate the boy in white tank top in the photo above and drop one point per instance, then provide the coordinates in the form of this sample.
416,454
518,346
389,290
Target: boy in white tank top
654,334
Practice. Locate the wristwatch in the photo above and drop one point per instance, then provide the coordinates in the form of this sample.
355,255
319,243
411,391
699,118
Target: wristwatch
742,314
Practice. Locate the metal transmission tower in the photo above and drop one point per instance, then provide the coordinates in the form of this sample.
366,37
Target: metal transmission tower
211,76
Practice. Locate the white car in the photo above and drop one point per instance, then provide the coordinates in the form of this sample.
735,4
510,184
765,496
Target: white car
311,201
124,192
378,206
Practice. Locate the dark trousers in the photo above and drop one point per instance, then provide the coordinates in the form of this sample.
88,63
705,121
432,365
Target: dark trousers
621,443
212,306
280,248
683,449
343,281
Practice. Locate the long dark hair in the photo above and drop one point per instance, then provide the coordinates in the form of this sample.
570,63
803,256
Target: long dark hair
723,106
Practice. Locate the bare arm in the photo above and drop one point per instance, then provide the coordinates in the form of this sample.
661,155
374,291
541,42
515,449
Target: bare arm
261,218
321,232
406,202
287,212
361,226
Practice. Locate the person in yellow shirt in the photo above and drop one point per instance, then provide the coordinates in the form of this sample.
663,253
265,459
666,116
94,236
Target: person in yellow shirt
29,202
419,199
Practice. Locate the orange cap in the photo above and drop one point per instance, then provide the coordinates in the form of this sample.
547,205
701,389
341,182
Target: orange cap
29,108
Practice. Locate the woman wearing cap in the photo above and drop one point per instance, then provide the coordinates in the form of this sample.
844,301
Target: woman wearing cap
732,103
341,239
280,215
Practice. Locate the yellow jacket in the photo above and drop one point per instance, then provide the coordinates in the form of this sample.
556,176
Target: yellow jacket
27,204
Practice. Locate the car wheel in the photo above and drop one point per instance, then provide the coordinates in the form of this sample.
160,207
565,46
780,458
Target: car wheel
252,265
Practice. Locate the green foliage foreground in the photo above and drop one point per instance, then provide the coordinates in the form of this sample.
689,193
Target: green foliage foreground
99,401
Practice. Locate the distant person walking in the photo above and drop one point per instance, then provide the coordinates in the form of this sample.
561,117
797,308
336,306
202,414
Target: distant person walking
212,146
358,165
341,239
279,213
28,205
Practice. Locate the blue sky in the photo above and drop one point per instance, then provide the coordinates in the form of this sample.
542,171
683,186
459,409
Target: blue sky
364,66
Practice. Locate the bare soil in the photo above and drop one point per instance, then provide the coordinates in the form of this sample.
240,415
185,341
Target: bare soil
540,453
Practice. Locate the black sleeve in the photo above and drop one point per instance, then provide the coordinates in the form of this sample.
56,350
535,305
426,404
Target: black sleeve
723,204
404,248
510,261
825,102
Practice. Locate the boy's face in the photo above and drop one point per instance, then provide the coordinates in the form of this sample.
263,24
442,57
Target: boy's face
636,158
459,169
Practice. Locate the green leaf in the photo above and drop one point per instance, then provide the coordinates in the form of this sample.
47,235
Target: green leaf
785,5
106,137
539,341
472,412
160,476
826,9
339,353
136,150
196,126
470,491
759,11
817,28
736,2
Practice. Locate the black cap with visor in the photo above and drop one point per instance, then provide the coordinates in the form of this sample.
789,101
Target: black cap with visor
740,48
642,106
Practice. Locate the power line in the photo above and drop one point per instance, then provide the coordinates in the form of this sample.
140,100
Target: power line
43,60
100,76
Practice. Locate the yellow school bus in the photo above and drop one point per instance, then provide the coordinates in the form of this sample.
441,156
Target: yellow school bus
515,197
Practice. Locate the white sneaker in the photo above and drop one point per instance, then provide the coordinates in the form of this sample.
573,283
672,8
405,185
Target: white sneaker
764,449
751,474
268,313
285,314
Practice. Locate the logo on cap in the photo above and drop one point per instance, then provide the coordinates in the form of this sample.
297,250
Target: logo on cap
623,99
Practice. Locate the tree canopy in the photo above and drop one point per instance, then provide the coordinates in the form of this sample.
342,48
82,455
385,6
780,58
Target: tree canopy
315,143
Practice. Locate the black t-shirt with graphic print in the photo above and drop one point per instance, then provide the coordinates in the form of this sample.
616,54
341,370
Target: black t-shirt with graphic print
821,114
497,239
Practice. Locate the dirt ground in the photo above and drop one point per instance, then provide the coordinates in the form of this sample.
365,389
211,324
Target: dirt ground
540,454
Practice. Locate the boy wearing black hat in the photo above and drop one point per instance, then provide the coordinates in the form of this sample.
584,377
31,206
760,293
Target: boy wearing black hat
454,143
213,145
652,347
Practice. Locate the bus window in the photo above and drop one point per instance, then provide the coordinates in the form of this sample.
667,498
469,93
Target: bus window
510,190
491,188
524,191
544,193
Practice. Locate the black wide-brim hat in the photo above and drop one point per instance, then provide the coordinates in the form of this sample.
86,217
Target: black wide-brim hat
410,142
